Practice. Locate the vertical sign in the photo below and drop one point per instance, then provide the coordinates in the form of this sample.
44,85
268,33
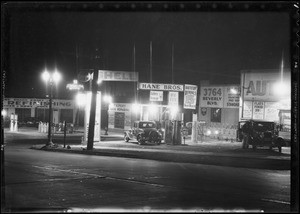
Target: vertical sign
190,96
156,96
173,98
258,110
247,114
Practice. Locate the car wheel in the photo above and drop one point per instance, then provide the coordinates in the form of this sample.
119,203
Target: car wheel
140,142
279,149
126,139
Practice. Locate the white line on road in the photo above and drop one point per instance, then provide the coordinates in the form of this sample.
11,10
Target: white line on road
275,201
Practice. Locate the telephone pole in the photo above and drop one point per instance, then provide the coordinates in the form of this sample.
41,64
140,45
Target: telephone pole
90,143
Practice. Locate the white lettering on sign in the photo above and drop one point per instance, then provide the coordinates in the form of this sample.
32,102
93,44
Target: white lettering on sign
211,97
160,87
156,96
105,75
190,96
37,103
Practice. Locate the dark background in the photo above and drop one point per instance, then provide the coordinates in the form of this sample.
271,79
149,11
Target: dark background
212,45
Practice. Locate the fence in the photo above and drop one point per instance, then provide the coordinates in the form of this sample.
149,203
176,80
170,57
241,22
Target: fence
217,131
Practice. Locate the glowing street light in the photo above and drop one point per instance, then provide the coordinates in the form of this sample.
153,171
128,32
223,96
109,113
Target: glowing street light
152,109
281,89
135,108
107,99
50,78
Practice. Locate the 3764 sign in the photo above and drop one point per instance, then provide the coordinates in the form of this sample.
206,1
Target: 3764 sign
212,92
211,97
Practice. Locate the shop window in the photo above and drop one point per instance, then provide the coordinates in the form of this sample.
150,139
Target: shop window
23,113
119,120
216,115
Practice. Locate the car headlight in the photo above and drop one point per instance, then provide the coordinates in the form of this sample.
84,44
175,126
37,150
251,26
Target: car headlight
208,132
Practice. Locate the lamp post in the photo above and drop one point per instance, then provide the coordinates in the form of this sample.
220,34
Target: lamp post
50,78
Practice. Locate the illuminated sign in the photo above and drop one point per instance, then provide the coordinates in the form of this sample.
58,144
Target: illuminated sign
105,75
160,87
37,103
261,85
73,86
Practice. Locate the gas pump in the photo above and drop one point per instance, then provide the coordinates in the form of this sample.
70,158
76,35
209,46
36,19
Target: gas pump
14,122
177,132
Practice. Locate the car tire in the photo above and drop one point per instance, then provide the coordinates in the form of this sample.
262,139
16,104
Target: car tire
140,142
126,139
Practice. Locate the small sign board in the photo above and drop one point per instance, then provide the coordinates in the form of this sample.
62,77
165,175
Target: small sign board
184,132
156,96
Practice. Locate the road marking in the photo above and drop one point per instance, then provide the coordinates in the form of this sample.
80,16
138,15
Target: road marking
98,176
275,201
70,171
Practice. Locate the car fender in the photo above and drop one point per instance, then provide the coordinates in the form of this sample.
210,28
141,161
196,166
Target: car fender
280,141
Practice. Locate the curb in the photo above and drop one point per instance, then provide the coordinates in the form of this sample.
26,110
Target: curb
201,158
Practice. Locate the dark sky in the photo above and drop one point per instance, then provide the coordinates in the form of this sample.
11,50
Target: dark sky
207,45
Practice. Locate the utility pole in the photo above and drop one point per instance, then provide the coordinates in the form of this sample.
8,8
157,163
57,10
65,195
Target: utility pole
90,143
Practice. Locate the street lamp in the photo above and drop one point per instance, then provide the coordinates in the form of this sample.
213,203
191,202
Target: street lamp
50,78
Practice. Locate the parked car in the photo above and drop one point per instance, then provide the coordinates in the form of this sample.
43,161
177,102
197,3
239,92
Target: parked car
143,132
29,122
261,134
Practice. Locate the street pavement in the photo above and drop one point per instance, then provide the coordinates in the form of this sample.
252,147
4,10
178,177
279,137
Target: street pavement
208,151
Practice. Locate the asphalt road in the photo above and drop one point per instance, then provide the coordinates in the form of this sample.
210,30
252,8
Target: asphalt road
37,180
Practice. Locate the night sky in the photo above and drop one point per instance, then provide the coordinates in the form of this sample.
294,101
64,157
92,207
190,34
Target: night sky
207,45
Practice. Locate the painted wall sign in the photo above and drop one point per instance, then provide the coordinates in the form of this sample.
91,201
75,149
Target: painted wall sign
37,103
106,75
190,96
231,96
211,97
156,96
260,85
160,87
173,98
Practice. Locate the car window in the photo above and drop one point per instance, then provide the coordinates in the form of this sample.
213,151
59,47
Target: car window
146,125
263,126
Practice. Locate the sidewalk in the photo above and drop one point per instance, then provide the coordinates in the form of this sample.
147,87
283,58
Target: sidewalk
210,151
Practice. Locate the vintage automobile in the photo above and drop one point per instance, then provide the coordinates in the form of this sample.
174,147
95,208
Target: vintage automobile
259,133
143,132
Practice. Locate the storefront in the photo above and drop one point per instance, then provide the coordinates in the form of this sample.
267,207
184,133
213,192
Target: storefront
265,93
218,113
63,110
